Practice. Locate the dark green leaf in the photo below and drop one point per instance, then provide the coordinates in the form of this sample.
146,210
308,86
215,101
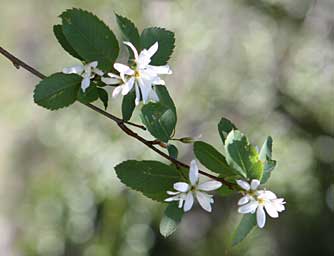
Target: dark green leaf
225,191
211,158
224,128
172,217
103,96
57,91
266,158
172,151
129,30
90,37
91,94
152,178
159,119
128,105
247,223
166,42
58,31
242,156
164,97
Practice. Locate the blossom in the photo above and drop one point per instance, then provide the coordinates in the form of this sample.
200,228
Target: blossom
141,75
186,192
87,71
259,201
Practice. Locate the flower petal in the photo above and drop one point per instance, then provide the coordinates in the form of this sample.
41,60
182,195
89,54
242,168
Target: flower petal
193,173
209,185
145,88
204,200
123,69
248,208
110,80
271,210
153,96
260,217
254,184
243,184
97,71
137,100
85,83
158,80
152,50
93,64
181,186
134,50
78,69
161,70
116,91
128,86
189,201
243,200
173,193
267,194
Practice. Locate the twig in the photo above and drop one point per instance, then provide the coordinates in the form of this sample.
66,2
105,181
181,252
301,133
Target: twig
121,123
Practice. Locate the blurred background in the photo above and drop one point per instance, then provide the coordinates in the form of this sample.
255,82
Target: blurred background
268,65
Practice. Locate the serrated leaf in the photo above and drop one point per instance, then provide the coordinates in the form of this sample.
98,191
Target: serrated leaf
58,31
91,94
246,225
211,158
128,105
164,97
172,217
103,96
242,156
166,42
129,30
152,178
266,157
159,119
90,37
57,91
224,128
172,151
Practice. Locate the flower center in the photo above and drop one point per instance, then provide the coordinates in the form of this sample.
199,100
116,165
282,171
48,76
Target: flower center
137,74
261,201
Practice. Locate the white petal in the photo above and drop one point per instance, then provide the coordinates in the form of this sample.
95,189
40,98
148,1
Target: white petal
153,96
189,201
116,91
254,184
209,185
123,69
271,210
110,80
267,194
134,50
204,200
181,202
85,83
93,64
193,173
161,70
243,200
243,184
114,76
74,70
158,80
181,186
128,86
278,204
145,88
97,71
153,49
260,217
248,208
173,193
137,100
172,198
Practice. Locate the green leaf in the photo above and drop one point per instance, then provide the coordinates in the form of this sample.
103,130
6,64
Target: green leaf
224,128
166,42
128,105
266,157
159,119
129,30
103,96
91,94
152,178
58,31
225,191
164,97
172,151
172,217
246,225
90,37
57,91
211,158
242,156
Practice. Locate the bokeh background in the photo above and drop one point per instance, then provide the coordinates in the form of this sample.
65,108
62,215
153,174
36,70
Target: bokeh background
268,65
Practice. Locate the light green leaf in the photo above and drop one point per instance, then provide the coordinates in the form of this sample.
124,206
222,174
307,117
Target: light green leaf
172,217
103,96
224,128
166,42
212,159
90,37
58,31
242,156
246,225
172,151
57,91
152,178
159,119
129,30
128,105
266,158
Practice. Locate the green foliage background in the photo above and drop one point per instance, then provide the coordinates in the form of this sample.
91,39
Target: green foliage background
269,68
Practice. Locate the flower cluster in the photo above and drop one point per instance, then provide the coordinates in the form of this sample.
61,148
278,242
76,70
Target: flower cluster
141,75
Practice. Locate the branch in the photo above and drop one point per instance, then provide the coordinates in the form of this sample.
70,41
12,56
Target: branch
121,123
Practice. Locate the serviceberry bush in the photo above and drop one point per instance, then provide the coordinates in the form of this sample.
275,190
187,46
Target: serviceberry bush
242,168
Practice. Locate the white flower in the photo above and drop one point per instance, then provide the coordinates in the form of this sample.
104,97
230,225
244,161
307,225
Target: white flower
185,192
87,71
142,75
258,201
